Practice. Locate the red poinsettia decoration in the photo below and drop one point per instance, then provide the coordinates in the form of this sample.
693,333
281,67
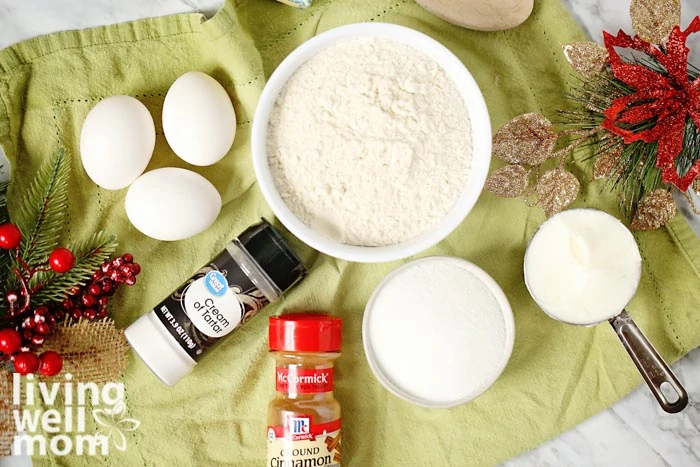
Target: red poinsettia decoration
666,100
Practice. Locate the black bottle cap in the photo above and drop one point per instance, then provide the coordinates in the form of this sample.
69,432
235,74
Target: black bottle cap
273,254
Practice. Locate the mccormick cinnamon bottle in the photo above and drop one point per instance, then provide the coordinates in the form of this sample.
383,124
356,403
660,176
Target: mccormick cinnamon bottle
304,418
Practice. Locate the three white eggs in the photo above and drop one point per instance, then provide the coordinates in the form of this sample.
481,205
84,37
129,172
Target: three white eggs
117,141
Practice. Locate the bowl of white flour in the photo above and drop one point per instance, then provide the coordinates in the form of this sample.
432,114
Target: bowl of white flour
371,142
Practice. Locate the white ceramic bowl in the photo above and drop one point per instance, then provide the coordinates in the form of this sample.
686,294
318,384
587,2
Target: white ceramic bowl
480,128
483,380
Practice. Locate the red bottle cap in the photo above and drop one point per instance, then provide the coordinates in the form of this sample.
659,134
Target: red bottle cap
305,332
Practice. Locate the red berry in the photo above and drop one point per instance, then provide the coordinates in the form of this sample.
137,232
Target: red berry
38,339
76,314
11,297
43,328
28,323
41,310
90,313
118,262
87,300
130,280
50,363
67,303
61,260
27,335
101,314
94,289
106,268
26,362
137,268
75,290
102,301
128,257
10,236
97,274
127,270
10,340
116,277
107,286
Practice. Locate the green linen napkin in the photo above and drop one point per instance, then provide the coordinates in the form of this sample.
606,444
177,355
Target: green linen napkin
558,374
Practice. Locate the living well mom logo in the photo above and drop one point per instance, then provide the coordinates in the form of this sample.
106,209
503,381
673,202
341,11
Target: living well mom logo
54,417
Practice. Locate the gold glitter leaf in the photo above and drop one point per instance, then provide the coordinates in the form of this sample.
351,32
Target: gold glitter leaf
588,58
527,139
509,181
556,189
696,186
654,210
607,164
653,20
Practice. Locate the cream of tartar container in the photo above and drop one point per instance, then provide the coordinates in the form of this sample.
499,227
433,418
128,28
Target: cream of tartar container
254,270
438,332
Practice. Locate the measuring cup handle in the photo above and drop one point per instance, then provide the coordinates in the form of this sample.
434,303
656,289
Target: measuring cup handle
672,397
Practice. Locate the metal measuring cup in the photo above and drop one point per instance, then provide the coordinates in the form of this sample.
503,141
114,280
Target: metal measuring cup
662,382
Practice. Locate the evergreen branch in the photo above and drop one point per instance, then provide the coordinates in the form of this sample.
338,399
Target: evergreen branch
5,256
601,143
89,256
649,61
691,148
42,210
638,175
4,216
693,71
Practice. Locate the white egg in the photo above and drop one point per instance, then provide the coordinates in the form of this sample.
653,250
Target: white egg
172,203
198,119
117,141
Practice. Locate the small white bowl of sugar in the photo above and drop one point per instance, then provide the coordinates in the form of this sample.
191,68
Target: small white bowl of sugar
438,331
371,142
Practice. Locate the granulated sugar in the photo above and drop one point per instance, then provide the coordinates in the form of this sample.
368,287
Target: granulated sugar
370,142
436,331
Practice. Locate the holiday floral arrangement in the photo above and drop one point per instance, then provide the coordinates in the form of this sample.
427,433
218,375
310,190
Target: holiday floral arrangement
54,299
637,112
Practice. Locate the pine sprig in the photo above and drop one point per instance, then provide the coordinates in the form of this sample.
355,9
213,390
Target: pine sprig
41,213
4,216
5,256
691,147
89,256
636,173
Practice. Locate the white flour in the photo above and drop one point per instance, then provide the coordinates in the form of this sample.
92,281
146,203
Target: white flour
370,142
437,332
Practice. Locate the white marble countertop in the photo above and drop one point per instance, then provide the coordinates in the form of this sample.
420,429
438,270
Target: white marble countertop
634,432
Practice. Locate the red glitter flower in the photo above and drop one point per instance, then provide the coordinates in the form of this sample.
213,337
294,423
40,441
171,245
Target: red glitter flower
668,99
